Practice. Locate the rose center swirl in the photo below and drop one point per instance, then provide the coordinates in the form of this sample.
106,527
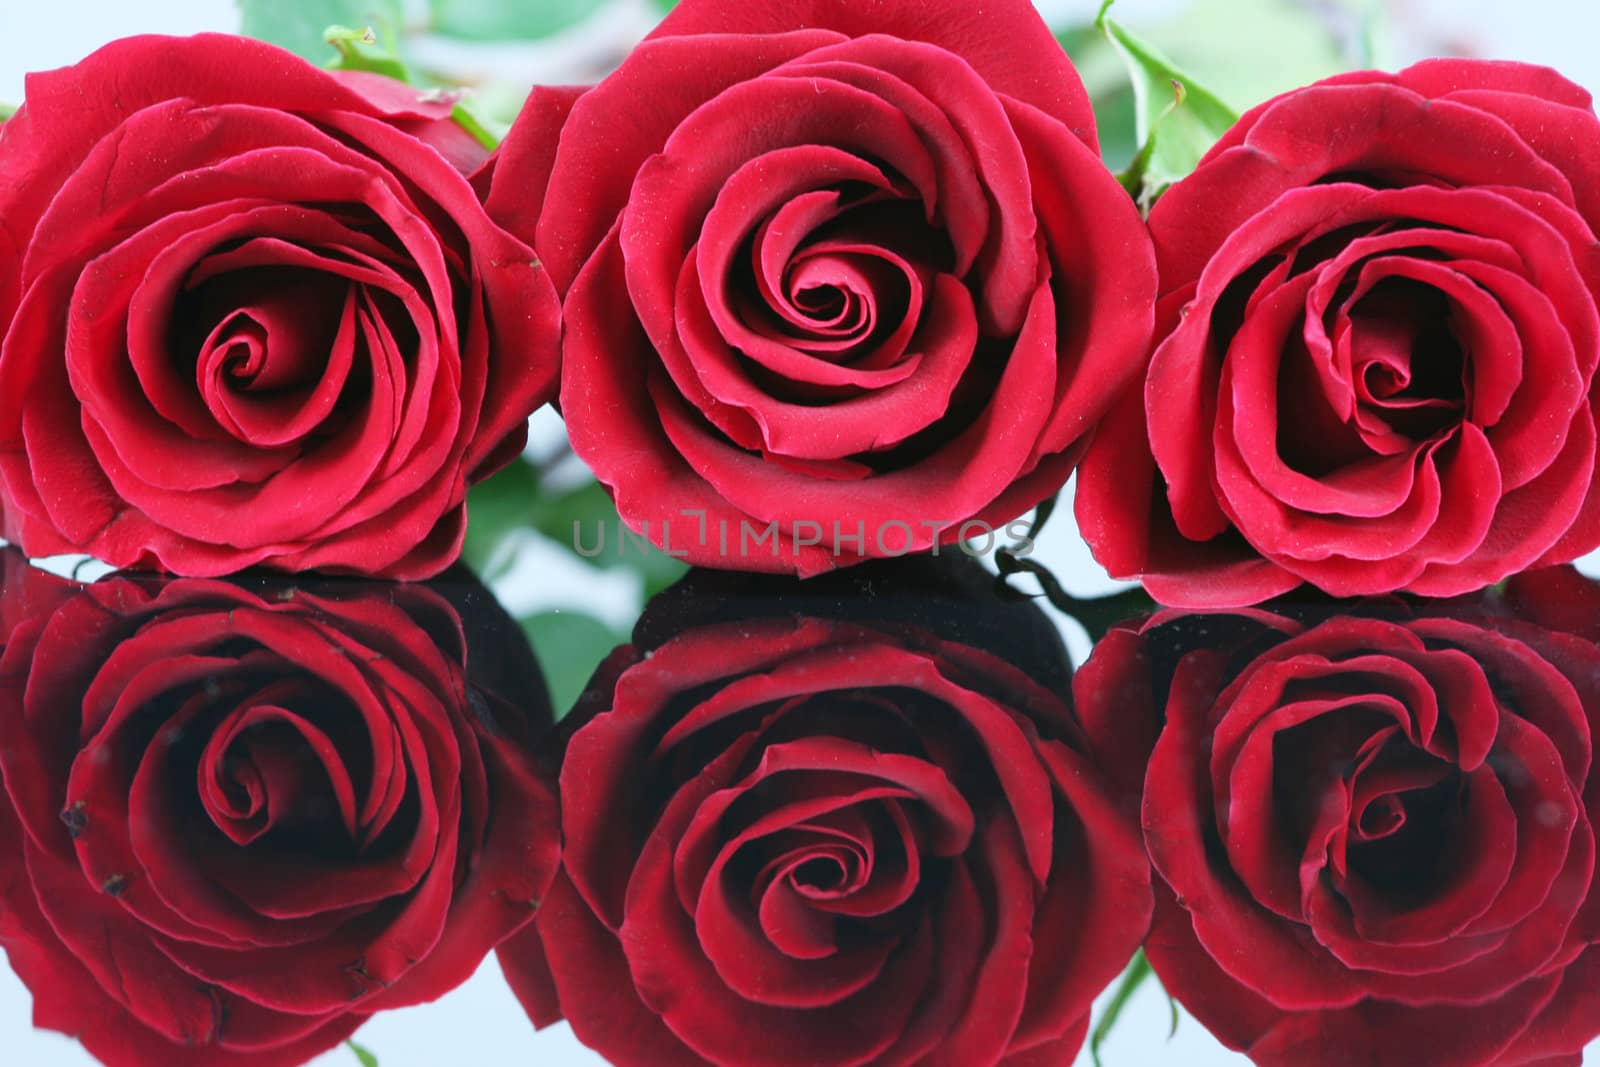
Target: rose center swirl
841,275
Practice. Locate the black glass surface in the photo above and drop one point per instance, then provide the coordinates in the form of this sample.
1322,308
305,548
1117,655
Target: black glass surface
876,817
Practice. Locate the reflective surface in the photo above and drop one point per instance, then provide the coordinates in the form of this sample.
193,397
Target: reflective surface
850,823
243,816
870,818
1373,825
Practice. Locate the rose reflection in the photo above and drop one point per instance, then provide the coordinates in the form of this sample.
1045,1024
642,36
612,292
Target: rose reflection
1373,827
240,817
846,821
866,818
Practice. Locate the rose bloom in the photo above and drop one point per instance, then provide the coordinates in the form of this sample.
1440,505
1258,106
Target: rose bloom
252,312
1374,833
817,839
1378,347
239,818
866,272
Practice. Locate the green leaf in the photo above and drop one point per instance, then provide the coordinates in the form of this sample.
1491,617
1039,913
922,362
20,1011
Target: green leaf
514,500
7,110
357,50
500,20
496,508
586,511
1247,51
478,126
569,646
587,505
367,1059
1105,77
660,570
1244,51
1137,974
497,103
299,25
1373,46
1176,120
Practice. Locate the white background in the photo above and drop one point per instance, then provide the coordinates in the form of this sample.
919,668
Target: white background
481,1022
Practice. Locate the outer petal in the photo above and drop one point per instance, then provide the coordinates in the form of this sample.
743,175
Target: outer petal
1006,42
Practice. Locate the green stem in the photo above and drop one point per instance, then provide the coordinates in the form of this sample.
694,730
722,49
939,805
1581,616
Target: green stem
1096,614
1099,614
1136,975
473,125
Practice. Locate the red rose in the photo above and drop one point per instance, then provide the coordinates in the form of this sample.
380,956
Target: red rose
252,312
1557,598
807,840
853,273
239,819
1374,837
1380,339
